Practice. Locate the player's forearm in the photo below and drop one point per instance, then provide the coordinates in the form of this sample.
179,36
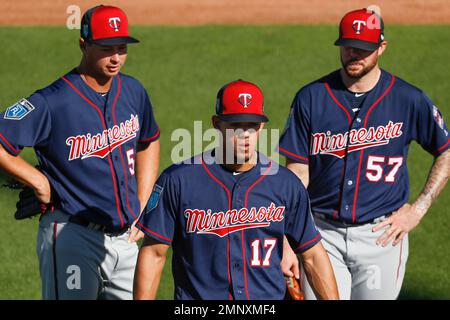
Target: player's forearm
437,179
319,272
22,171
147,164
148,274
289,263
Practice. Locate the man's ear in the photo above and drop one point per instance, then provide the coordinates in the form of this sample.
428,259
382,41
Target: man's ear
82,43
382,47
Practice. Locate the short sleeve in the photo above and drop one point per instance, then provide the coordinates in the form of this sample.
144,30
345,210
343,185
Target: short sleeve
27,123
300,229
159,218
294,142
150,129
430,130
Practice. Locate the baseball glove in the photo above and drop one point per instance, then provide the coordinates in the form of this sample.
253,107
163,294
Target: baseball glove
28,205
294,289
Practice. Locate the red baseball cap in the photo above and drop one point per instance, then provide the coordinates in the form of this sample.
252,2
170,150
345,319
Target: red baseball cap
105,25
240,101
362,29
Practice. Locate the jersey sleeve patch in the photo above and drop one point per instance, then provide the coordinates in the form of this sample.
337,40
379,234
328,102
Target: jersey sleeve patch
154,197
19,110
438,117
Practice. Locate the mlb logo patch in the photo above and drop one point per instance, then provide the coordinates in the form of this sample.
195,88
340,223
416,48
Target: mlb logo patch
19,110
438,117
154,198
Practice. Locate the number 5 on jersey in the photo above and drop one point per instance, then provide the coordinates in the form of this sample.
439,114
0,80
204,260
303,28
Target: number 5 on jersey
130,158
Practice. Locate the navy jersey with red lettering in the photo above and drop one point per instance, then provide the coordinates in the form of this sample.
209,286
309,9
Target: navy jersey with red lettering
85,143
226,230
357,150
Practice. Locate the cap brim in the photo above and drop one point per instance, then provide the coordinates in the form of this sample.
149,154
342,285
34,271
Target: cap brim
114,41
359,44
239,117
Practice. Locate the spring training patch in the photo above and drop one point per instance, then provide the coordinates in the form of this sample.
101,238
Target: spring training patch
154,197
19,110
438,117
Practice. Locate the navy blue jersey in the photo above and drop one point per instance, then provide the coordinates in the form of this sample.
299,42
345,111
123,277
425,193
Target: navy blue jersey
85,143
227,230
358,161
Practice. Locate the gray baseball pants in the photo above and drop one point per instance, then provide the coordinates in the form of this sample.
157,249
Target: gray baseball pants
363,270
76,262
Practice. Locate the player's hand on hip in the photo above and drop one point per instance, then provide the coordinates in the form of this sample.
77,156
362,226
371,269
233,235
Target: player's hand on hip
289,264
135,233
398,225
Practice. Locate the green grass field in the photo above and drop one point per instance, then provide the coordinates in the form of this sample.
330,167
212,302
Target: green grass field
182,69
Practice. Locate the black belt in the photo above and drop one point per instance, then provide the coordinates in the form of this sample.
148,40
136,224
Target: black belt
350,224
97,227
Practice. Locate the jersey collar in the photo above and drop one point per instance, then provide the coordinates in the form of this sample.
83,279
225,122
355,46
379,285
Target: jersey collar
261,168
91,94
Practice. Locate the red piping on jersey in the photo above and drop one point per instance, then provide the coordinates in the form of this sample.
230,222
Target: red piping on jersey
307,243
153,232
230,296
244,259
341,187
9,145
55,269
242,232
218,181
448,142
152,137
256,182
229,207
116,193
338,103
293,154
119,85
400,259
335,214
362,151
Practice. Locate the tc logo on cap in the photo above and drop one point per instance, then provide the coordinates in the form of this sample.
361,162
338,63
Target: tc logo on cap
245,99
240,101
362,29
114,23
359,26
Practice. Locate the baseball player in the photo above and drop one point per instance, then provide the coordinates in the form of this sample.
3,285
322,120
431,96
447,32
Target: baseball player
347,138
225,213
95,137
